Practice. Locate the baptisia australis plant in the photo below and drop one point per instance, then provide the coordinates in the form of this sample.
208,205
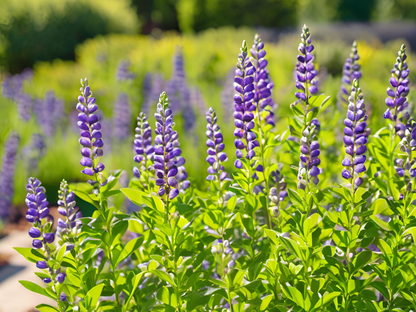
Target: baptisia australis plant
347,247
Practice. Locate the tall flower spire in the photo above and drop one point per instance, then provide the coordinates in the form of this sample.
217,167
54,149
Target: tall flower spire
244,107
215,144
397,94
8,166
142,144
306,73
166,150
91,137
262,84
350,72
355,138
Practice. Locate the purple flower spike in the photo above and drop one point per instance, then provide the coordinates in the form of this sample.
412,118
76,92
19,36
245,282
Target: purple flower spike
262,83
71,226
142,144
397,93
215,144
306,73
38,214
355,137
89,125
122,117
309,156
244,106
168,166
123,72
350,72
7,174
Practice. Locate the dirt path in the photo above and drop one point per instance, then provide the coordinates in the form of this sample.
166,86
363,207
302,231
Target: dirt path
13,296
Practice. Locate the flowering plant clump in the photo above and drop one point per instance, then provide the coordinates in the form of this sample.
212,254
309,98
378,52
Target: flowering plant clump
270,233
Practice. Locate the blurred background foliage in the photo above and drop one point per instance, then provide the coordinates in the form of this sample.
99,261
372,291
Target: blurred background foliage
66,40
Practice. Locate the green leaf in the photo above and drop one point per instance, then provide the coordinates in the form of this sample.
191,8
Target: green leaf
164,276
134,195
328,298
163,295
30,254
92,296
265,302
295,197
46,308
36,289
384,225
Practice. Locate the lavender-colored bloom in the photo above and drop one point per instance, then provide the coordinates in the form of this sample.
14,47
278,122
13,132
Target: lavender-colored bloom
63,297
216,146
244,107
68,229
309,156
262,84
152,95
355,137
227,95
306,73
38,214
12,86
142,144
36,150
405,164
123,72
197,100
49,112
91,137
167,152
350,72
122,117
397,94
8,166
24,105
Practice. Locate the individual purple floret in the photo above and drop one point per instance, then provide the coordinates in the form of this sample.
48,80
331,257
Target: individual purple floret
151,96
122,117
397,94
215,144
309,156
123,72
67,230
350,72
37,215
142,144
91,137
166,151
244,107
262,85
8,166
306,74
355,137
